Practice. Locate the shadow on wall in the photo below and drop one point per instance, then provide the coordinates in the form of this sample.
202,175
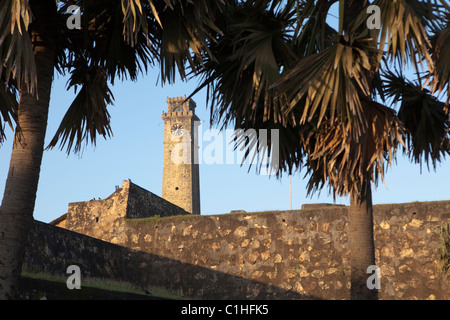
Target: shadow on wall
194,281
51,250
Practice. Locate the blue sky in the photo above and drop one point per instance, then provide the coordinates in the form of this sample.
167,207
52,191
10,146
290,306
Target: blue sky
136,152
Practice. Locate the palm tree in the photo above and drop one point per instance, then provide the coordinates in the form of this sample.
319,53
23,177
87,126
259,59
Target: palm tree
278,64
120,38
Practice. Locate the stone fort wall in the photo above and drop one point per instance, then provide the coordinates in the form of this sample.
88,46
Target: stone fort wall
269,255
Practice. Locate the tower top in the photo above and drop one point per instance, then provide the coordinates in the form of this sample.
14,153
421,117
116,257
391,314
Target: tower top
177,104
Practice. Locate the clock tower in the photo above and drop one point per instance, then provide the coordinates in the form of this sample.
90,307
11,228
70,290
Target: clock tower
181,183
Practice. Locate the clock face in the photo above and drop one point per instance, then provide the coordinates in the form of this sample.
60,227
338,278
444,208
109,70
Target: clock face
177,129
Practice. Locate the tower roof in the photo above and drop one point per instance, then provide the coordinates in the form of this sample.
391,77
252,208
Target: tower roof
183,102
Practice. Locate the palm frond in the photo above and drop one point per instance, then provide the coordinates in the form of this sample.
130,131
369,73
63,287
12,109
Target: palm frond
188,29
16,52
134,19
8,108
248,59
440,52
442,79
87,116
273,148
424,117
403,31
101,38
312,33
335,158
331,82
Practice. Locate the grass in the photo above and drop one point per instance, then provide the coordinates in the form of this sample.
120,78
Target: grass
105,284
155,220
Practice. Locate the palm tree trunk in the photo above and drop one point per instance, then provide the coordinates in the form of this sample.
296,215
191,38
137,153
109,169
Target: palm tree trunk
16,211
361,244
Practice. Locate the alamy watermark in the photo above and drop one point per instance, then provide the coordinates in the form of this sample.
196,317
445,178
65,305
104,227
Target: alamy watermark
374,280
74,280
374,20
239,146
74,20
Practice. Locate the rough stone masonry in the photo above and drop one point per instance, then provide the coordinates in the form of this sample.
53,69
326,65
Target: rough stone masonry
299,254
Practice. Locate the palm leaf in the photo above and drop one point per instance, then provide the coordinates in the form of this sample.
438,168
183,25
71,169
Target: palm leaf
312,33
403,32
16,52
8,108
87,116
440,51
272,149
443,62
332,81
103,41
133,20
278,148
345,164
120,39
247,60
424,117
188,28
